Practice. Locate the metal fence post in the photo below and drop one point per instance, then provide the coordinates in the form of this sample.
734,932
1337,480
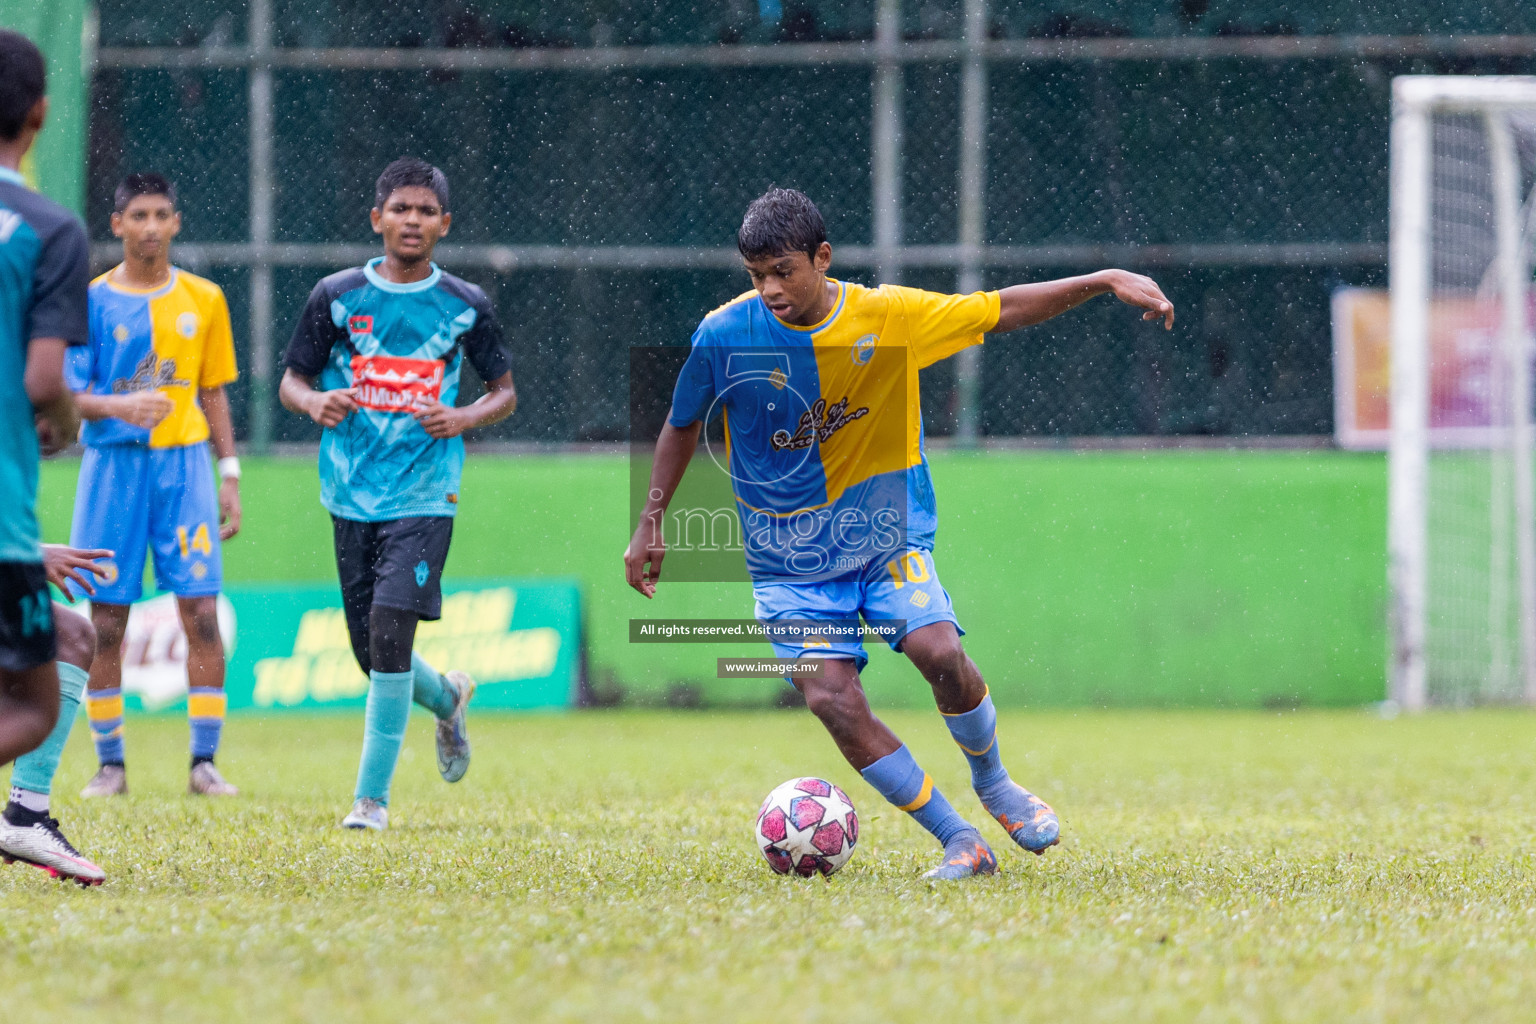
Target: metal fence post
885,174
973,210
261,365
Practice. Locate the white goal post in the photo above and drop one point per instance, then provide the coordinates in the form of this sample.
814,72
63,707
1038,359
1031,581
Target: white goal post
1461,506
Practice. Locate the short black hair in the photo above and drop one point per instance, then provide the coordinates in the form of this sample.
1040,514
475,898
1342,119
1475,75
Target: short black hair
23,81
406,172
780,221
145,184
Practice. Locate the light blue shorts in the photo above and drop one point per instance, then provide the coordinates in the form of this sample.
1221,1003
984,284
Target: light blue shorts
133,499
894,597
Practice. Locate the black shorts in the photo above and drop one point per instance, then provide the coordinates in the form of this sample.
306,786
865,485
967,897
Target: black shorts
397,564
27,639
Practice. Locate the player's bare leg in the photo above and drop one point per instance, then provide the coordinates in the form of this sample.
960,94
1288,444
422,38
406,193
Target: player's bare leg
28,832
836,698
29,706
205,692
104,701
961,695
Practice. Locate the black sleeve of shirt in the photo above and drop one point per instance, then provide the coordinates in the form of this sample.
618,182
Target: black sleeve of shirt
310,347
59,282
484,343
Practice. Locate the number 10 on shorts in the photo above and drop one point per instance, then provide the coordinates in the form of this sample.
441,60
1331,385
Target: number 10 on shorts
911,565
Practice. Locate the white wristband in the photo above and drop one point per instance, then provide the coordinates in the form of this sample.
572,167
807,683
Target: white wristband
229,468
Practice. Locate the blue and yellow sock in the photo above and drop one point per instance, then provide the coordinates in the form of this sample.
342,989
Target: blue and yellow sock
428,688
897,777
975,731
34,770
205,714
389,708
104,708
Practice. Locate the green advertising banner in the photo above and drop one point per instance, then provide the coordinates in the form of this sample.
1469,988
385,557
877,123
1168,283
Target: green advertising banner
56,164
288,648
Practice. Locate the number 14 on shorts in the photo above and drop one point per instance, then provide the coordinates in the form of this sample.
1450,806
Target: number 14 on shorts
200,541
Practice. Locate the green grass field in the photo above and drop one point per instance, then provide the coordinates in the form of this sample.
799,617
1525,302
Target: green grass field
1244,866
1173,578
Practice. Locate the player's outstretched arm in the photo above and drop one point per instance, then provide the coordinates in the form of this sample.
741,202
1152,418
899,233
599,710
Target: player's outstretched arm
327,408
1026,304
642,559
58,421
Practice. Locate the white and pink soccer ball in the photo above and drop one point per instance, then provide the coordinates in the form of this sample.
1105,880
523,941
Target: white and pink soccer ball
807,826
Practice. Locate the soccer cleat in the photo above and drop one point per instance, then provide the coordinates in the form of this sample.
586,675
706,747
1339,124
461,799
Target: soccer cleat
43,846
367,813
452,736
966,854
205,780
109,780
1027,818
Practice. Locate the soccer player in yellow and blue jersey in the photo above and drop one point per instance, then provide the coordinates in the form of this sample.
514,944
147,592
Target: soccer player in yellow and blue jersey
151,388
817,380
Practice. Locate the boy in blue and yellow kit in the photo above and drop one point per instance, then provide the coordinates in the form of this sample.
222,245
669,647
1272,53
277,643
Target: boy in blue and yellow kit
151,388
818,382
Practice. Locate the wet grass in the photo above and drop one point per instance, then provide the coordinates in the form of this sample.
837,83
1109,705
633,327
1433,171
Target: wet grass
1324,866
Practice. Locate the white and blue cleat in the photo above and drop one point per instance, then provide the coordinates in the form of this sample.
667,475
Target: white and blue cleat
452,732
367,813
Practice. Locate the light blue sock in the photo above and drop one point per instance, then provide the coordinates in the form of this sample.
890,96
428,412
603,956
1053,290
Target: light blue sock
34,771
976,733
897,777
389,708
428,688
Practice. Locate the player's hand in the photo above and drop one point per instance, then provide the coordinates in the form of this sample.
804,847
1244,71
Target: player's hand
62,563
442,421
1142,292
329,408
50,439
229,507
646,548
143,408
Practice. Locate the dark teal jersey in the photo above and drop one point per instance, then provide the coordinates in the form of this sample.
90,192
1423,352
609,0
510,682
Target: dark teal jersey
43,277
402,347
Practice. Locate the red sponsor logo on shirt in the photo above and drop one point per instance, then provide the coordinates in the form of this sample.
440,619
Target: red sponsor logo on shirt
359,325
396,384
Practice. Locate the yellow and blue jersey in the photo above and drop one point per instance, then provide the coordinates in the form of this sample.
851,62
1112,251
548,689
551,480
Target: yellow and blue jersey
824,429
43,273
401,347
174,339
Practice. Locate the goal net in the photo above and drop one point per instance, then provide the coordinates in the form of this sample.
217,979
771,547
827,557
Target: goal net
1462,526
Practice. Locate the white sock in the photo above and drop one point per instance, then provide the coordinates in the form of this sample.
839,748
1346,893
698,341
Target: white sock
37,803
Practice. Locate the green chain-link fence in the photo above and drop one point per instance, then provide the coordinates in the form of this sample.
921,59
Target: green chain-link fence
1248,173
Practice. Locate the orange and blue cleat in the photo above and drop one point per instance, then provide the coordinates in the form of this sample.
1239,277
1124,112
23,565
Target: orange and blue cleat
1027,818
965,855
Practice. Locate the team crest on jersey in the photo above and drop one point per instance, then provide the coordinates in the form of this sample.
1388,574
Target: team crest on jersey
120,333
151,374
778,378
396,383
360,324
818,423
186,325
864,349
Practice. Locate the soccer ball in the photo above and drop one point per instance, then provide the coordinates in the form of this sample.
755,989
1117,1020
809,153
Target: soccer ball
805,826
